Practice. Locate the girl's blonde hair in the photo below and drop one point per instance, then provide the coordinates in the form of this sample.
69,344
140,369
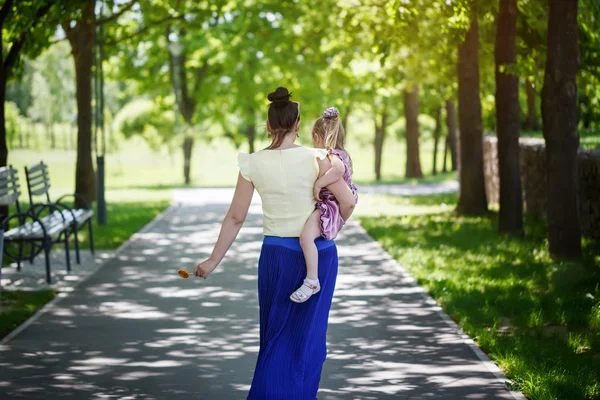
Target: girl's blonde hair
329,130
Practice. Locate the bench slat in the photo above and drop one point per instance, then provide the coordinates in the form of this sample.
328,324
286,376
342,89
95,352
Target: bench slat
8,172
8,179
4,190
37,167
36,178
8,199
33,230
40,191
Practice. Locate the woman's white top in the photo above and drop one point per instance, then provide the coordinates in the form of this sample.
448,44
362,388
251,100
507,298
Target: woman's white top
284,179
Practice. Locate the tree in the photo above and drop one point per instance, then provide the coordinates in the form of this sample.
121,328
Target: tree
411,111
531,49
380,131
472,197
452,135
559,115
80,32
510,218
436,138
27,34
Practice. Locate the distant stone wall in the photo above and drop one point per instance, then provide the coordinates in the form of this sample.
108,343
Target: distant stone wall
533,181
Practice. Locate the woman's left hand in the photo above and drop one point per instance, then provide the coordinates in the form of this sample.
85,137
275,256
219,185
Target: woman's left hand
205,268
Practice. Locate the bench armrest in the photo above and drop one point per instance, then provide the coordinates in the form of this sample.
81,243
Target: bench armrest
76,196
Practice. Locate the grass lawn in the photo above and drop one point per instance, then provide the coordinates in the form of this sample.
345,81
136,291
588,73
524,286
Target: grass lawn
18,306
538,319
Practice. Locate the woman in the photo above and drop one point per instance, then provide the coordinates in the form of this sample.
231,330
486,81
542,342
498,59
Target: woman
292,336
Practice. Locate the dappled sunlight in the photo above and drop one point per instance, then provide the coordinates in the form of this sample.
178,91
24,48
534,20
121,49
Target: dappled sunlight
138,330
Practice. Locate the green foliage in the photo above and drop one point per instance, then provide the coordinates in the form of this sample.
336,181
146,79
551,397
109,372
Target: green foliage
358,57
536,318
15,123
31,24
145,118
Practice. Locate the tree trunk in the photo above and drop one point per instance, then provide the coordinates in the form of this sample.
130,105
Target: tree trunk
66,133
52,136
411,112
82,39
251,130
436,138
3,146
472,199
251,134
510,218
188,145
444,169
531,123
452,135
345,120
559,115
3,80
379,137
71,137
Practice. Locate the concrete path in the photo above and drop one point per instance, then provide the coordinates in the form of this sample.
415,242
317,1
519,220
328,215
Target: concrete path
33,276
411,189
135,330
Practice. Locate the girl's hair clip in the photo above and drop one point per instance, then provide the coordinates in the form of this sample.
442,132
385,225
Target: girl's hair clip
331,113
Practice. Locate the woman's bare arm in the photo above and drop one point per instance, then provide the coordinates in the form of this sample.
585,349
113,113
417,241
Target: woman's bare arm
231,226
340,190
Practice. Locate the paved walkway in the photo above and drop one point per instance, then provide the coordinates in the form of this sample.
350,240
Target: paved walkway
135,330
412,189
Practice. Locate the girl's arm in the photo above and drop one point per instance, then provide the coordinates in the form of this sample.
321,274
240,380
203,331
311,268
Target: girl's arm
340,190
332,175
231,226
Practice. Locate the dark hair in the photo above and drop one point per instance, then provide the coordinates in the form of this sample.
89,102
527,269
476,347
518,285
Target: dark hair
283,115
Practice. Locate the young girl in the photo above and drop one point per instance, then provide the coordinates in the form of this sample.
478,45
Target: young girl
326,220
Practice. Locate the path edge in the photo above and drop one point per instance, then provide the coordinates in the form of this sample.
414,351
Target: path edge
489,364
63,295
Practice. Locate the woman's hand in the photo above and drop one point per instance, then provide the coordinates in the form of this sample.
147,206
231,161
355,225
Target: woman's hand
205,268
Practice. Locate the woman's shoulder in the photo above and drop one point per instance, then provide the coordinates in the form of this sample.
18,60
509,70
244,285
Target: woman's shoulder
291,152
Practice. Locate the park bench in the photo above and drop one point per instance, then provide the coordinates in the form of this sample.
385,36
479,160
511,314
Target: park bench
38,184
38,228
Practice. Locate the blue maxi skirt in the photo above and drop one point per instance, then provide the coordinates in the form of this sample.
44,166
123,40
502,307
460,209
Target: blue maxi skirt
292,336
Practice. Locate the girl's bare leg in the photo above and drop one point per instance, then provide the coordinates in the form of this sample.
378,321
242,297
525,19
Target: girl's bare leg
310,286
312,230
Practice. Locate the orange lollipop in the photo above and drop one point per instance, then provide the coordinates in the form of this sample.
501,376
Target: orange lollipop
183,273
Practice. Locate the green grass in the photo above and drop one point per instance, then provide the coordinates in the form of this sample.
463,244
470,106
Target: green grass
377,205
123,220
538,319
18,306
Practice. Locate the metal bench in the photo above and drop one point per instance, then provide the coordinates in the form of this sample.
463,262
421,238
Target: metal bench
38,184
39,227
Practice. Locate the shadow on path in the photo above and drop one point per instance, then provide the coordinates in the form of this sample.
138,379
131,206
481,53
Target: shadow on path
135,330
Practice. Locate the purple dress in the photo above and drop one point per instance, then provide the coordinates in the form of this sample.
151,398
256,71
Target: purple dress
331,220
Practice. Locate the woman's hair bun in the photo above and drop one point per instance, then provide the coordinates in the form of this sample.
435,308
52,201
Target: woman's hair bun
279,96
